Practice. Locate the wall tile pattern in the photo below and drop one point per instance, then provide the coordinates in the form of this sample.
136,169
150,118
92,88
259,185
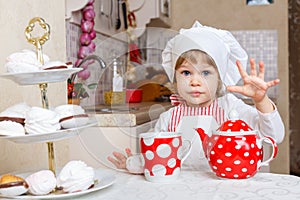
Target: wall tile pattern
262,45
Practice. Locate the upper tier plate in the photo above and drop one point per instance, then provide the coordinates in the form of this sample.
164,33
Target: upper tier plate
49,137
43,76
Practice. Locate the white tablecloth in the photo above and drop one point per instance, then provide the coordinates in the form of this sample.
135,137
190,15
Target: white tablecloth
201,185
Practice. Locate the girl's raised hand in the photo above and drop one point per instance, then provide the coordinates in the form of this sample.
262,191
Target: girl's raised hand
119,159
254,86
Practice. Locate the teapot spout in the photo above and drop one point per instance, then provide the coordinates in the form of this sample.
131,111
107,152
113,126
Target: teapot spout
204,139
201,133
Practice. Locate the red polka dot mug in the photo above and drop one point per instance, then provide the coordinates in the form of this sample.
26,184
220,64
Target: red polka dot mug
235,150
163,154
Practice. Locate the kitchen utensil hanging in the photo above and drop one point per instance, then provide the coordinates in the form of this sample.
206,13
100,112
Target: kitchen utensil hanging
108,16
118,19
124,11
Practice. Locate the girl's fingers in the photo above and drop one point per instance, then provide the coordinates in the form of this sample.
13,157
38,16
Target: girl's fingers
241,70
273,82
115,162
128,152
236,89
261,73
262,85
253,67
121,157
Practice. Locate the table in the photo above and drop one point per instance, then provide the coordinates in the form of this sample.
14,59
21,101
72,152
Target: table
201,185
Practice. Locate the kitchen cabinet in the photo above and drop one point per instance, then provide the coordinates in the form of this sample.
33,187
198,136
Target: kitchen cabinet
154,13
72,6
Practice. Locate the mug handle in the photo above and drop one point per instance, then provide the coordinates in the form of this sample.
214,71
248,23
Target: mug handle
271,141
186,150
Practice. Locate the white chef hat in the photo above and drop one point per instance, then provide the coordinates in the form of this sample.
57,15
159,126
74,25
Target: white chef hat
219,44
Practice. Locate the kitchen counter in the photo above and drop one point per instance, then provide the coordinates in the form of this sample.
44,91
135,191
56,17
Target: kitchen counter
133,114
127,115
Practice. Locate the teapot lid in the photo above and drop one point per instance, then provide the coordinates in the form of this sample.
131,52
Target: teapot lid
234,124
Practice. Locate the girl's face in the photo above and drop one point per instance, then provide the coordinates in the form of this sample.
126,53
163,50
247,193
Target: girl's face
197,82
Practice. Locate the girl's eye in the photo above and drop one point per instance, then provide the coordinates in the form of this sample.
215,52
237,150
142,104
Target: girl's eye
205,73
186,73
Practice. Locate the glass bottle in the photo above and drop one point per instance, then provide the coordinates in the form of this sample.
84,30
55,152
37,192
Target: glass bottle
116,94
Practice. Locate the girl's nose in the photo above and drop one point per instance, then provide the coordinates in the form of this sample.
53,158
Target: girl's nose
196,81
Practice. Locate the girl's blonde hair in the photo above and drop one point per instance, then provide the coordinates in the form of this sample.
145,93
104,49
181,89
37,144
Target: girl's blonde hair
193,56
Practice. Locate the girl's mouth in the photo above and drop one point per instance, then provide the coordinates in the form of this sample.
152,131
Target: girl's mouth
195,93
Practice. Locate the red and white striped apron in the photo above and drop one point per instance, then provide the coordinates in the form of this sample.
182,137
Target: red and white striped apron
184,110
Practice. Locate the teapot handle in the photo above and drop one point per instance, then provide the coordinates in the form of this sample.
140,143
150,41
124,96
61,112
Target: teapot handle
271,141
186,149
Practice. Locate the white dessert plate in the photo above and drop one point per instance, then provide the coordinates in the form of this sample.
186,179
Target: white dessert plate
104,178
47,137
43,76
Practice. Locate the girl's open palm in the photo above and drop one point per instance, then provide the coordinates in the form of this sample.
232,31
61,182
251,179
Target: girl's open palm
254,86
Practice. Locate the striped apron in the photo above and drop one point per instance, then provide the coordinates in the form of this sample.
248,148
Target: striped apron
184,110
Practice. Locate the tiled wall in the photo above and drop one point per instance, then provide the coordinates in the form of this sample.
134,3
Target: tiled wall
262,45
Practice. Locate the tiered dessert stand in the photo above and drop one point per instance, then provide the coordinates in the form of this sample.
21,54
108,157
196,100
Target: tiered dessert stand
42,78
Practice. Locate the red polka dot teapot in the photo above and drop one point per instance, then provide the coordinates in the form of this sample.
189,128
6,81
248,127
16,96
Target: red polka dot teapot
235,150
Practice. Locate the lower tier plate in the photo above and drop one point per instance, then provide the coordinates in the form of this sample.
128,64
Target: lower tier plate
103,179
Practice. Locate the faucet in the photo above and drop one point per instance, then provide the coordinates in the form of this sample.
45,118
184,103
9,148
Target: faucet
89,57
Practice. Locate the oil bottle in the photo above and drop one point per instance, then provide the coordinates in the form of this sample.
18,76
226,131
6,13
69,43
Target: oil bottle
116,94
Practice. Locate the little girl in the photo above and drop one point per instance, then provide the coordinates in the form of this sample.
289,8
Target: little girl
206,62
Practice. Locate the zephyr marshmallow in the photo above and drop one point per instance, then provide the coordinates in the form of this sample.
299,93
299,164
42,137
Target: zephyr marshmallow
10,128
54,65
71,116
15,113
75,176
12,120
12,116
11,185
21,108
41,182
40,120
24,61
